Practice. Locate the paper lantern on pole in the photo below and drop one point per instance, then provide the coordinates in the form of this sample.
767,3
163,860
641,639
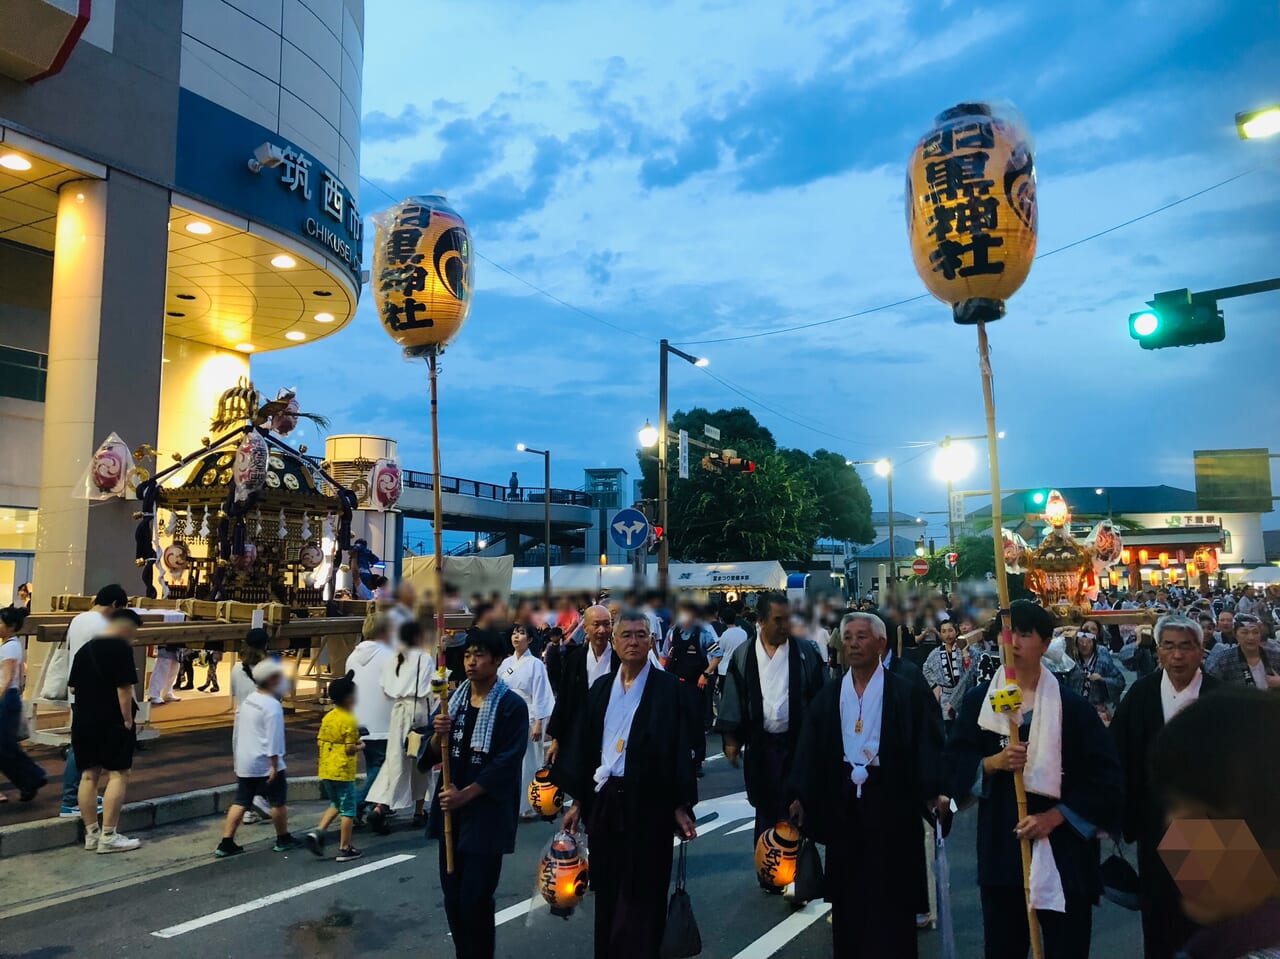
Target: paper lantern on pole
385,484
422,272
971,209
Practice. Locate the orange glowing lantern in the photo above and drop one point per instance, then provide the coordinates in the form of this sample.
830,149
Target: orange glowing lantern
1056,513
1126,556
971,210
1164,560
545,797
776,852
1114,576
562,875
1192,571
1155,577
1142,556
422,272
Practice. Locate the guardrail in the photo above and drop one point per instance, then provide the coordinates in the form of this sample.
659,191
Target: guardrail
521,494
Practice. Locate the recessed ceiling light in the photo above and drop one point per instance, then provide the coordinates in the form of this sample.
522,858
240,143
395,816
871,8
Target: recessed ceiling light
283,261
296,335
173,313
324,317
244,347
322,292
15,161
199,227
164,359
185,296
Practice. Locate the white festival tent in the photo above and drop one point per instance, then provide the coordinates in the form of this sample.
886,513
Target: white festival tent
1262,576
618,578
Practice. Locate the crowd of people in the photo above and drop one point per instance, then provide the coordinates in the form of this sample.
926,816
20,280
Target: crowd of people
869,727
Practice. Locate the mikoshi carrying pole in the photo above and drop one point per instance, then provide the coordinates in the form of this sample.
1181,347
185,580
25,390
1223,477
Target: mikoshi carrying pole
971,223
437,546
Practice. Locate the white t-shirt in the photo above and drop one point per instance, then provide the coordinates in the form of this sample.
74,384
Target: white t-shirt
12,649
87,626
1259,670
259,735
730,639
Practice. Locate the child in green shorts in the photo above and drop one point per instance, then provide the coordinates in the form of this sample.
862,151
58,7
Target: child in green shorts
339,743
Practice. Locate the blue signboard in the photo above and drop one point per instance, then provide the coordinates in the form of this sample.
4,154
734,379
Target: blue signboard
291,191
629,529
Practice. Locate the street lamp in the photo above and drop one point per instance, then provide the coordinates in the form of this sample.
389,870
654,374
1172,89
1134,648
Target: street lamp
546,517
951,463
648,434
1253,124
884,467
664,549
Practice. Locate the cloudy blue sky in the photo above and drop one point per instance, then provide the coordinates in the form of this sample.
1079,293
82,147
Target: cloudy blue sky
705,170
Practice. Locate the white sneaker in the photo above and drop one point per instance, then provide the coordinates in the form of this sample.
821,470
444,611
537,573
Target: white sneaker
262,806
155,701
91,836
252,817
117,842
172,698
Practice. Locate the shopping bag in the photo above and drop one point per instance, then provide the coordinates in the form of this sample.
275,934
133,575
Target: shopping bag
809,878
1120,880
56,673
681,939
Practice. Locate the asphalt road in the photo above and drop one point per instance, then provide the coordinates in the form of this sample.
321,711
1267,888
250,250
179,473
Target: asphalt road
173,899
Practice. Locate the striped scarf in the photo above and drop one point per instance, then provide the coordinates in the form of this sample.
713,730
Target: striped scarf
482,735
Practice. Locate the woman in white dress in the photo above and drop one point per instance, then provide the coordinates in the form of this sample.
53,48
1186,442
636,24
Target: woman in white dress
526,675
406,679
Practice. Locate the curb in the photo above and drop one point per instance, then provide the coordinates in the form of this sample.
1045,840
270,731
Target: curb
45,834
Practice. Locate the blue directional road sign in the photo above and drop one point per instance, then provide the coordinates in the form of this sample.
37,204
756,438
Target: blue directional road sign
629,529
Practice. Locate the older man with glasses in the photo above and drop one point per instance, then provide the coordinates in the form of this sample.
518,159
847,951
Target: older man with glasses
1153,701
1251,662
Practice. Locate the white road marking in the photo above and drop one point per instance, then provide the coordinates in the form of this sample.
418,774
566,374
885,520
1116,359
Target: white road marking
512,912
261,903
785,931
711,759
746,826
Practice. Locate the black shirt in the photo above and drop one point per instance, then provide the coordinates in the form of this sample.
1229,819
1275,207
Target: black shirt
100,668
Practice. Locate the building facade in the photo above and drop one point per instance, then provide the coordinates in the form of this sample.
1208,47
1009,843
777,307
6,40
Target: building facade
178,191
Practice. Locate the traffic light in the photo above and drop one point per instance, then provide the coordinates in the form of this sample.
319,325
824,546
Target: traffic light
1175,318
657,534
736,464
1038,497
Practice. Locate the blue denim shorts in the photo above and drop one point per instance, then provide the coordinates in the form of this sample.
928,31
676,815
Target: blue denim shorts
341,795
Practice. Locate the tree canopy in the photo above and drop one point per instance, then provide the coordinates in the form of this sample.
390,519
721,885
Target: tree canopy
777,512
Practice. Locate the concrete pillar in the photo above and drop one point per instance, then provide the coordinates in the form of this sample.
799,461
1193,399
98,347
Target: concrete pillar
351,457
193,377
106,322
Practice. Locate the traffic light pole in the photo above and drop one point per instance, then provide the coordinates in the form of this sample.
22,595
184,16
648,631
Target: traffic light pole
1243,289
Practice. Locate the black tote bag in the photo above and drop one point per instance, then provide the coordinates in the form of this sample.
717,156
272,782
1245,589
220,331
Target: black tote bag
681,939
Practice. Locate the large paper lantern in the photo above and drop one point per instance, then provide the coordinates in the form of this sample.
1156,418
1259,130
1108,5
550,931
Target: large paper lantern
776,852
385,483
562,875
971,210
251,465
422,272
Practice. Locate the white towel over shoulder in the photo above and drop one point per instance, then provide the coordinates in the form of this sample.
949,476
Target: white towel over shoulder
1042,775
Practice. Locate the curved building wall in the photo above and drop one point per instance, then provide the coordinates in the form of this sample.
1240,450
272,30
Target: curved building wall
291,66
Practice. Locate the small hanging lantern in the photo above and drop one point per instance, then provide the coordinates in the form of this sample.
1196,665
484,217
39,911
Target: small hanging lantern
1192,570
1155,577
776,852
545,796
176,558
422,272
1126,556
562,875
1114,576
1164,560
385,483
250,471
971,210
1143,556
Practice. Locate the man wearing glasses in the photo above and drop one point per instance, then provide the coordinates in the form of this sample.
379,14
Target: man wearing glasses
1152,702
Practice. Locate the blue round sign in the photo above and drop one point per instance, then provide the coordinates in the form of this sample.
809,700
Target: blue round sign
629,529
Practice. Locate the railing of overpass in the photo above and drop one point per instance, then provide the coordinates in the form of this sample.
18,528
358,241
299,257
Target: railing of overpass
521,494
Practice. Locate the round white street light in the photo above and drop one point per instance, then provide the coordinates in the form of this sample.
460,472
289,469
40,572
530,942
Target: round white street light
954,462
883,467
648,434
521,447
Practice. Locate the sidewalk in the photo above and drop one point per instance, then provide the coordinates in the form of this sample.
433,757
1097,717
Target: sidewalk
175,762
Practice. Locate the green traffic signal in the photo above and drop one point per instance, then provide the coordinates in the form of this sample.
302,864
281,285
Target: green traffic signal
1038,497
1176,318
